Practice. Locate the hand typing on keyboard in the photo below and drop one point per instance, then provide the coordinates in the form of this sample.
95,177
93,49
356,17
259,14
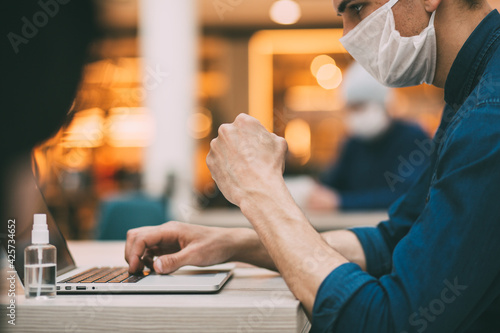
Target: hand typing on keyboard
177,244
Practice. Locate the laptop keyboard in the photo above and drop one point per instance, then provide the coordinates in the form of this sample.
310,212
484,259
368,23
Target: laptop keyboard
105,275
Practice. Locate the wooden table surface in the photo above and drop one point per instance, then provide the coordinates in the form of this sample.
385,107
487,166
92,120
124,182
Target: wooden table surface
254,300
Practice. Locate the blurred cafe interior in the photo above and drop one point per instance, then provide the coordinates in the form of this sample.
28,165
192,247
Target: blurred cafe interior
163,75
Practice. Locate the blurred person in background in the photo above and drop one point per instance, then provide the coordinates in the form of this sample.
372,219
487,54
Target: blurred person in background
374,167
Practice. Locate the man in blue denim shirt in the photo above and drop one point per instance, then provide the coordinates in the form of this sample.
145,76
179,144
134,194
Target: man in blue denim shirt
432,266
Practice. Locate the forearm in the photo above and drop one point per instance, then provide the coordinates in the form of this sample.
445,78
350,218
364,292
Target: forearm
301,255
249,249
346,243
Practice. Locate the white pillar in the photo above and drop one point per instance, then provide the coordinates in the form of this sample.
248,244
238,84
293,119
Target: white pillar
168,35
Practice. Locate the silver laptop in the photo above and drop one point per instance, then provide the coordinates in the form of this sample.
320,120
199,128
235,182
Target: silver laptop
73,279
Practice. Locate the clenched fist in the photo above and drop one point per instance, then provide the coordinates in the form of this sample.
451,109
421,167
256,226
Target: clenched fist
245,158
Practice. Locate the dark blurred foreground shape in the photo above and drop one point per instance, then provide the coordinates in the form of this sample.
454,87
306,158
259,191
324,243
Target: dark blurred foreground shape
44,46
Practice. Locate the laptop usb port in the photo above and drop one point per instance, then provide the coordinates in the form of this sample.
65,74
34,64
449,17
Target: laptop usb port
67,288
81,288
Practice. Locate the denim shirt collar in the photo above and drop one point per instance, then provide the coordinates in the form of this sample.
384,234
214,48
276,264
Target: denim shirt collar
471,61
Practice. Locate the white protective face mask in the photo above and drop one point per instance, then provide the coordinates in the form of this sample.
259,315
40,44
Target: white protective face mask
368,122
393,60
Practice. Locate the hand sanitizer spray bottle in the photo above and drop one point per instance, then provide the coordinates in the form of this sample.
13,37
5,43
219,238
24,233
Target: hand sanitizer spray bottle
40,261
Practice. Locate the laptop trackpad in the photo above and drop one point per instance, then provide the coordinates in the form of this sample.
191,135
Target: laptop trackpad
186,278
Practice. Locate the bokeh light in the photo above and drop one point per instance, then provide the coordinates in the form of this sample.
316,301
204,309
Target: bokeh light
200,123
285,12
320,61
298,137
329,76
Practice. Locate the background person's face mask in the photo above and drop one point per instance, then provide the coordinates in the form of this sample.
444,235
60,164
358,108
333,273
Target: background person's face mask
393,60
367,121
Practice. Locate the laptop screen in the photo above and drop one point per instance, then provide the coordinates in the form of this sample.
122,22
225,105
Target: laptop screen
25,200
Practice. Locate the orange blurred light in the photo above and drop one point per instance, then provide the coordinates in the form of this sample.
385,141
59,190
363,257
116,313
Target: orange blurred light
85,130
313,98
213,83
264,45
129,127
298,137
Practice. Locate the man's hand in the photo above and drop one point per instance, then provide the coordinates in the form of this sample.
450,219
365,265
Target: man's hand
323,199
245,157
177,244
247,163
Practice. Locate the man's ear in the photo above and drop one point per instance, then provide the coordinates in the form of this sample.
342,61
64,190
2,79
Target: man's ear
431,5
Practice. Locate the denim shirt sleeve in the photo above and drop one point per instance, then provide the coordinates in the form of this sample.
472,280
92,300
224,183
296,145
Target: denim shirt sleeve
433,284
379,242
